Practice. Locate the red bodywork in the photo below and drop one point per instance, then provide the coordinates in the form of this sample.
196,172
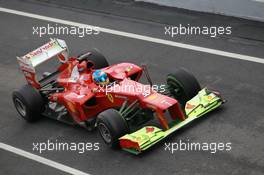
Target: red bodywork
79,89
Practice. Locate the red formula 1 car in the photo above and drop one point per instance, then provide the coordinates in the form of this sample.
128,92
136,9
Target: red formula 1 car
85,90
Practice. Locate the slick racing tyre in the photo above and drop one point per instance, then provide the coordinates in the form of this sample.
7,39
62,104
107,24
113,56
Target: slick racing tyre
28,103
183,85
111,126
96,57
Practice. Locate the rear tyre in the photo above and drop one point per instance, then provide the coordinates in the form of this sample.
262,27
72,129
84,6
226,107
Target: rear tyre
28,103
97,58
183,85
111,126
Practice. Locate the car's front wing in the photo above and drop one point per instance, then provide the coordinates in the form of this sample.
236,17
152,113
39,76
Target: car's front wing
204,102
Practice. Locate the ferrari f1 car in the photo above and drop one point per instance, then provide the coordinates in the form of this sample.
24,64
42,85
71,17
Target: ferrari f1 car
87,91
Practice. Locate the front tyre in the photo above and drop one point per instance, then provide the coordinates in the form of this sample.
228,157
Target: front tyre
28,102
111,126
183,85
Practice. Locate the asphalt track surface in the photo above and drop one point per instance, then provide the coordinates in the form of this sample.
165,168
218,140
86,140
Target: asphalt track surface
240,121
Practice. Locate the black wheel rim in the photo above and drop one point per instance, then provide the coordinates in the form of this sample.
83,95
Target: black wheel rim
105,133
21,108
175,88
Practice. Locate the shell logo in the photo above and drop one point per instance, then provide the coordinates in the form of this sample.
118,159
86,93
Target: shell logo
128,69
71,107
110,98
209,97
152,97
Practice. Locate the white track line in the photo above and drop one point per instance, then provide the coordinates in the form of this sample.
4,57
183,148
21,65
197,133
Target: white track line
259,1
42,160
140,37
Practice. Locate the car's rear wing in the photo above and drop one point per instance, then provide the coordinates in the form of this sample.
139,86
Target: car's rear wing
28,62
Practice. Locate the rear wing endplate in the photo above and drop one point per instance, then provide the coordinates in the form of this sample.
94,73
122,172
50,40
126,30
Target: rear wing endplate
28,62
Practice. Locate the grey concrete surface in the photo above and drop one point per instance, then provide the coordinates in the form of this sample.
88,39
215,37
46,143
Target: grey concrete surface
239,121
249,9
25,166
245,32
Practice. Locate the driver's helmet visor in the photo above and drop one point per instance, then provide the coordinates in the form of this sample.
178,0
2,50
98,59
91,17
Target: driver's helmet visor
100,76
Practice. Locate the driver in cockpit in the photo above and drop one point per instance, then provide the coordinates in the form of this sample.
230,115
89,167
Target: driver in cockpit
100,77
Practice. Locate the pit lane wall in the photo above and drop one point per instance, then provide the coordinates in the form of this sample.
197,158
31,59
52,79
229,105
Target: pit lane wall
248,9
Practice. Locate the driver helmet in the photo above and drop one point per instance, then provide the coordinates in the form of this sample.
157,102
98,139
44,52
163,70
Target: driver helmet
100,77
